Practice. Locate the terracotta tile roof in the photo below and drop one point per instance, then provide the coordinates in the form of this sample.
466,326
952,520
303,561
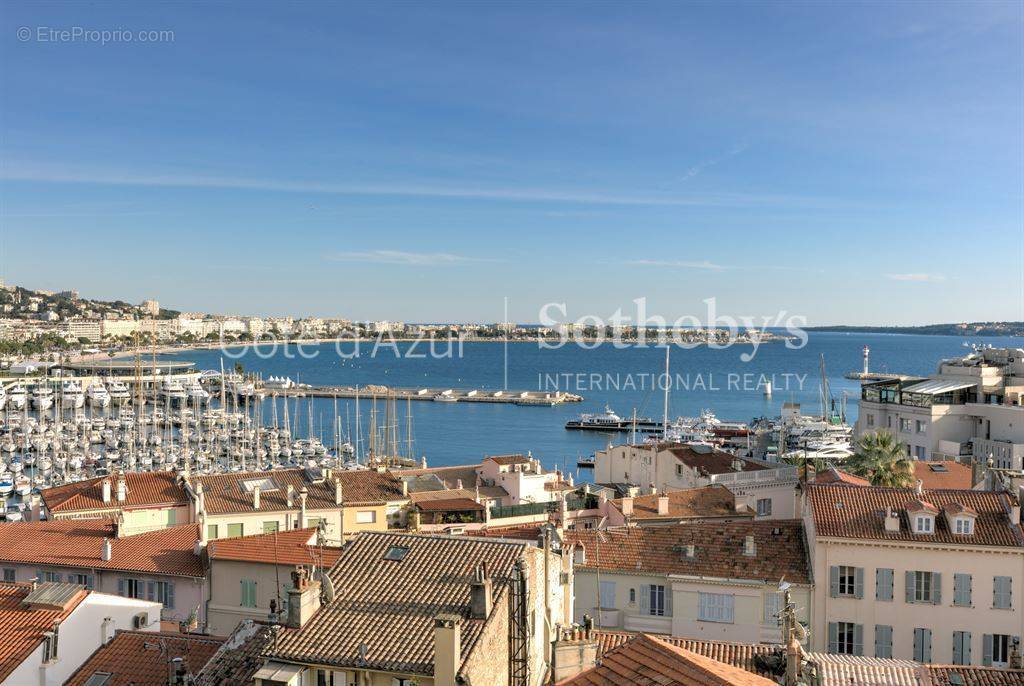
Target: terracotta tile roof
22,629
78,543
452,476
239,657
522,532
559,486
740,655
959,508
506,460
719,549
690,503
225,493
145,489
837,476
950,474
140,658
843,670
918,505
649,661
852,512
391,605
975,676
449,504
292,547
707,460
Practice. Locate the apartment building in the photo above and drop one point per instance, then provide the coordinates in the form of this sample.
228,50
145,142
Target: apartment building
344,502
711,580
769,488
146,658
971,406
143,501
928,575
423,609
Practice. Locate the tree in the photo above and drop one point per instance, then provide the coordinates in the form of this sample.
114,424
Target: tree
883,460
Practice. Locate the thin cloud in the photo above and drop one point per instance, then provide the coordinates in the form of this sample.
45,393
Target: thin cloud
679,264
696,169
419,259
919,277
21,172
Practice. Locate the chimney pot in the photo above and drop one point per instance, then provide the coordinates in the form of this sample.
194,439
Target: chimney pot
627,507
447,649
107,551
122,489
106,490
256,498
662,504
338,491
919,487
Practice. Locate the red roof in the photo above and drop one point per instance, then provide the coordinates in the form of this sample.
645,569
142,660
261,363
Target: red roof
707,460
449,505
647,659
740,655
836,476
142,658
144,489
293,547
853,512
943,474
715,501
78,544
21,629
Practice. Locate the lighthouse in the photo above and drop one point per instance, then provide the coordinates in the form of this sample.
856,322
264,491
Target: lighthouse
867,352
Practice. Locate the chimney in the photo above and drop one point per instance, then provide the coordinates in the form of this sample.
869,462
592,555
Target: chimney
339,491
447,649
579,555
663,504
35,505
575,651
627,507
480,594
1015,513
107,551
892,520
738,465
691,550
303,599
405,488
106,490
122,488
200,498
105,630
654,489
749,546
290,494
203,533
919,487
256,498
303,494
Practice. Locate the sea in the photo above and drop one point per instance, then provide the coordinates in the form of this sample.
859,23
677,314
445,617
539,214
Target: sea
729,381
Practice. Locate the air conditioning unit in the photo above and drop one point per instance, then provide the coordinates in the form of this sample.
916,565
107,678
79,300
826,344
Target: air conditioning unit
140,620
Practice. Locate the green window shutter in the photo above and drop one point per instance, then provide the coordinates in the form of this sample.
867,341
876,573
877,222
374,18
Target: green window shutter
833,581
833,636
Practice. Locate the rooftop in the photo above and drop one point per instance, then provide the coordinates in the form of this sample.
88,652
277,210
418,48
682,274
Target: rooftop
239,657
837,476
859,513
144,489
390,604
707,460
740,655
292,547
230,493
449,505
943,474
690,503
718,550
22,628
647,659
506,460
78,544
141,658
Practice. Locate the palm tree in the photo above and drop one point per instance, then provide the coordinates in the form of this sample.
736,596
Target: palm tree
883,460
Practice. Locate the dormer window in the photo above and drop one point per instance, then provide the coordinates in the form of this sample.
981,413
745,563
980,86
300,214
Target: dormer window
924,524
963,526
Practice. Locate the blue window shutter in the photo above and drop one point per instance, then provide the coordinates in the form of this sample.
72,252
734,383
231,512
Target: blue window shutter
883,584
833,581
668,601
120,586
833,637
170,595
883,640
910,586
645,598
926,635
858,639
858,582
936,588
90,582
150,591
986,650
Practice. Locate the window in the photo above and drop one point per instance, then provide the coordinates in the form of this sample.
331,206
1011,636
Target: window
1002,592
764,507
211,531
870,419
961,647
314,522
883,640
772,607
996,650
82,580
235,530
905,425
98,679
396,553
366,517
325,677
962,590
924,524
607,594
248,593
924,587
9,575
883,584
963,526
161,592
270,527
921,426
846,581
131,588
920,452
396,681
52,577
717,607
845,638
632,596
923,645
656,600
679,470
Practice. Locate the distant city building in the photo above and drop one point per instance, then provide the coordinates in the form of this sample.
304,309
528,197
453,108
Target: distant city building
150,307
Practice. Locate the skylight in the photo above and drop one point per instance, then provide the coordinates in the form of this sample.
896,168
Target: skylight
98,679
396,553
938,467
263,484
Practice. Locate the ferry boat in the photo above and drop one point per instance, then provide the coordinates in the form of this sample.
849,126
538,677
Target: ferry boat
445,398
609,421
97,395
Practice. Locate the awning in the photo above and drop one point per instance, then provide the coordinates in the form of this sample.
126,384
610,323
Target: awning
934,387
277,671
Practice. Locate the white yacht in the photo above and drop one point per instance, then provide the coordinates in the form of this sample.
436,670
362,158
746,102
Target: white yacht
42,397
118,392
196,393
3,396
98,395
72,395
17,397
173,390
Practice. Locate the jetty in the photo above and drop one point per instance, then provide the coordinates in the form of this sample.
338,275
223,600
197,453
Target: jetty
433,394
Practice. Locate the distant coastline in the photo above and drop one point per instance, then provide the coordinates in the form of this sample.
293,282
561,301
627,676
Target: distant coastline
961,329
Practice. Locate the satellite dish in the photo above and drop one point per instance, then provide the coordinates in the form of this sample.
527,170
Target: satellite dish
328,588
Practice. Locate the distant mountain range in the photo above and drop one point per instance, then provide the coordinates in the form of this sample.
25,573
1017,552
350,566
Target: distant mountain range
963,329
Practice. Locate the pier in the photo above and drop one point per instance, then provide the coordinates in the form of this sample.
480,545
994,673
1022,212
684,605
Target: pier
440,395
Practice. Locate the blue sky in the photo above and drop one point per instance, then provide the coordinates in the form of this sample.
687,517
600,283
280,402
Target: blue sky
849,162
